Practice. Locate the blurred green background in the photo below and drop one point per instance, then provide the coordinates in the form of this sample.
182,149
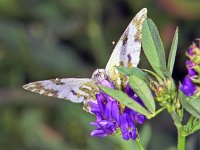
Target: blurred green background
44,39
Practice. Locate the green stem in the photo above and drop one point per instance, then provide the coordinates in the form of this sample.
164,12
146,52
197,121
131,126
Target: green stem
160,110
181,140
139,144
180,130
176,119
156,113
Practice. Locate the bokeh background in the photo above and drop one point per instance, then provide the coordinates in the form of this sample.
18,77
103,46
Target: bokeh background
44,39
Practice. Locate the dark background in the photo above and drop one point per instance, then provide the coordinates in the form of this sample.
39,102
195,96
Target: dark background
44,39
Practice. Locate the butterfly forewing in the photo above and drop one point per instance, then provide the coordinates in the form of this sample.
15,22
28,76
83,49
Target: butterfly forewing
127,50
73,89
125,53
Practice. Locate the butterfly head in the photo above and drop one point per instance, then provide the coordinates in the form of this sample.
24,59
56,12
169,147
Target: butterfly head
99,75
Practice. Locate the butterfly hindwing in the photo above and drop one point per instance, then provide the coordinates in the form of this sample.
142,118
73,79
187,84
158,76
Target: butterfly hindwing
74,89
127,50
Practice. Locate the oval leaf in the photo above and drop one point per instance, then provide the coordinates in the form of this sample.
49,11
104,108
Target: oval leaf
125,99
196,126
130,71
153,47
172,54
192,105
142,90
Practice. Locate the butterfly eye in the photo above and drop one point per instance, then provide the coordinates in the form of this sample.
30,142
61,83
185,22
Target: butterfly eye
57,81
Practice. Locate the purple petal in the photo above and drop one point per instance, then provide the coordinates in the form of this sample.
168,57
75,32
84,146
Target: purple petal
115,111
99,117
131,123
127,126
98,133
107,126
108,110
125,135
189,64
124,126
100,101
133,133
137,99
107,97
187,87
136,117
94,107
110,98
132,129
132,114
132,95
96,124
190,51
129,91
123,122
107,83
127,110
192,72
140,118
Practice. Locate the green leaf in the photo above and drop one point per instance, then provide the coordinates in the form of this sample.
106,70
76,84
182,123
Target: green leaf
145,135
196,126
192,105
125,99
153,47
130,71
142,90
172,54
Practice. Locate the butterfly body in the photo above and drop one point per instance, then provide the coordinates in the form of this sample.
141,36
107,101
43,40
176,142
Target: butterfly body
126,53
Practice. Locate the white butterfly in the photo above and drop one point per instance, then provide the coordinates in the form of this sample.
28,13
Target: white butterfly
125,53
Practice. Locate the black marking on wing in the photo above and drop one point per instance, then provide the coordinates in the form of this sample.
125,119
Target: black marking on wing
129,57
121,63
125,39
73,92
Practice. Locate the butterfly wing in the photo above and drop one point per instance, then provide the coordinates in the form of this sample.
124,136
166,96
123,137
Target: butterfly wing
127,51
74,89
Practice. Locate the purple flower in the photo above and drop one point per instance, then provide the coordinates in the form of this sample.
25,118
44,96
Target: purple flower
189,64
110,115
192,72
132,95
128,127
187,87
190,51
103,128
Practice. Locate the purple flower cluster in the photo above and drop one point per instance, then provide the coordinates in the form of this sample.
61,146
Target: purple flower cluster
113,117
188,86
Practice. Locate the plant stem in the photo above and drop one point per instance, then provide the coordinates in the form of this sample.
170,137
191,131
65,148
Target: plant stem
181,140
180,130
160,110
139,144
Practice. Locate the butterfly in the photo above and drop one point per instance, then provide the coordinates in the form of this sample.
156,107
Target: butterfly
126,53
